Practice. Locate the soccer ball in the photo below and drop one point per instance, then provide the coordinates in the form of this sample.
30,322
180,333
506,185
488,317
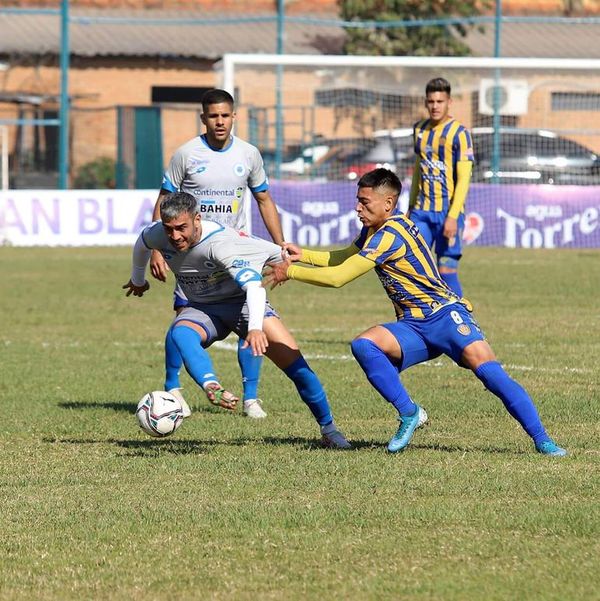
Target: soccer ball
159,413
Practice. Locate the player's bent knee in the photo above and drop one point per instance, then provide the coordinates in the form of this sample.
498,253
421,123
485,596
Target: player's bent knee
448,265
193,326
477,353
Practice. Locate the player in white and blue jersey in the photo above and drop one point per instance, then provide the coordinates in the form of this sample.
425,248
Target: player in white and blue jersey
217,169
431,319
219,271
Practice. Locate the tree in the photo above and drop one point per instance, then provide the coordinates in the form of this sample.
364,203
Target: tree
427,40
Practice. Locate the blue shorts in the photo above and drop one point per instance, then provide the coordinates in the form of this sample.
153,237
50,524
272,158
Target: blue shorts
447,332
431,226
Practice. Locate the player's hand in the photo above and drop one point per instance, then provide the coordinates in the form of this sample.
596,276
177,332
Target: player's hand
158,266
257,341
276,273
136,290
450,229
294,252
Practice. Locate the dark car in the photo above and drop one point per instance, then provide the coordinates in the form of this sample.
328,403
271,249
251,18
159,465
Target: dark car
525,156
533,156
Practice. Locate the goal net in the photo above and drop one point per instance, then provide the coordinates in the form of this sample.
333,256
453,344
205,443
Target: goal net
323,121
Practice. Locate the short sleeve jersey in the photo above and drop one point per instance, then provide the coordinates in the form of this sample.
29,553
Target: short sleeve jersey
218,179
440,147
218,265
405,267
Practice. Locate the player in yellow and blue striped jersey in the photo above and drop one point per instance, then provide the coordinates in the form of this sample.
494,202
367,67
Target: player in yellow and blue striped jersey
431,319
444,161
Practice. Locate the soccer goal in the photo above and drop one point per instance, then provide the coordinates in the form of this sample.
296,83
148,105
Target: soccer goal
329,119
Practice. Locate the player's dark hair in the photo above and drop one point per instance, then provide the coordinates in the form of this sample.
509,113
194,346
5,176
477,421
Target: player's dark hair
216,96
381,178
176,203
438,84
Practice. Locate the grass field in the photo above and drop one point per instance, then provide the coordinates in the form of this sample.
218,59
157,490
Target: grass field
228,508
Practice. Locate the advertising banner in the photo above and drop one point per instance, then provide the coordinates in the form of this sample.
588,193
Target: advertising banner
312,214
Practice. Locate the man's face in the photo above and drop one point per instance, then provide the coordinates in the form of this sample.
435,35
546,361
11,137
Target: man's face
438,106
374,206
218,120
184,231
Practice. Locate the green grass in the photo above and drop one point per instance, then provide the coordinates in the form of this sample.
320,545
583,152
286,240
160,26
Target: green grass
232,509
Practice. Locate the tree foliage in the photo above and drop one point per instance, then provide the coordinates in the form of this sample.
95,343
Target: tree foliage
428,40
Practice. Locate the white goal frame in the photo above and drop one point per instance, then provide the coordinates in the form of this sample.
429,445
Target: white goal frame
231,61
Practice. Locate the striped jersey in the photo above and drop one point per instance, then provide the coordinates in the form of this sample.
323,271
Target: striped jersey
406,268
439,149
218,179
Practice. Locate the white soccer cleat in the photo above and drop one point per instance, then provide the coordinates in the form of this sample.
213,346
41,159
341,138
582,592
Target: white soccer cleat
176,392
422,417
253,408
332,438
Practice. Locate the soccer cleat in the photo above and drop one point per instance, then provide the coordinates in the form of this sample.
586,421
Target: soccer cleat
332,438
253,408
408,425
220,397
422,417
176,392
549,447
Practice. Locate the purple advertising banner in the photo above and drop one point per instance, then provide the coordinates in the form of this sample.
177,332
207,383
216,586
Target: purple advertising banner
516,216
312,214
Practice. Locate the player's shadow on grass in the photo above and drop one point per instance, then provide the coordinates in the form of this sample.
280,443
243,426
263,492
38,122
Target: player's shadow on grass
112,405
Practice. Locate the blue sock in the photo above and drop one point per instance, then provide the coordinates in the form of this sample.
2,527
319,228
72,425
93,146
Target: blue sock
310,389
173,362
453,282
382,374
250,367
515,398
195,358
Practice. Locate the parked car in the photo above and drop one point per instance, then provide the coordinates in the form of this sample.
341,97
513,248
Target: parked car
325,160
534,156
526,156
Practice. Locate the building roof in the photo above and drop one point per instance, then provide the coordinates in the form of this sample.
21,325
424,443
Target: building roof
162,33
188,34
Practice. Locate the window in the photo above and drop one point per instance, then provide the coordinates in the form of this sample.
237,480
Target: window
575,101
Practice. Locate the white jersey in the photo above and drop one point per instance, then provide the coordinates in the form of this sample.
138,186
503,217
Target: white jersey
214,269
218,179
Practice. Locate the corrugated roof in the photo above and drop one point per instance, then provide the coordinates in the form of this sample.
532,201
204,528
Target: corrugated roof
38,34
201,35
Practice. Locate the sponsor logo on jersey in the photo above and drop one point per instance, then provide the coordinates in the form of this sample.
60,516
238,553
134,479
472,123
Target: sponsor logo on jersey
239,263
215,208
209,264
239,192
464,329
239,169
200,170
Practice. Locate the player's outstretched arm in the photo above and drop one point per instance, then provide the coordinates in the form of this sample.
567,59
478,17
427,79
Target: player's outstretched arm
137,283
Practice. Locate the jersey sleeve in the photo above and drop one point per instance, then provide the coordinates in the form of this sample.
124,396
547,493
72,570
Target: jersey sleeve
175,173
257,179
463,146
245,260
382,246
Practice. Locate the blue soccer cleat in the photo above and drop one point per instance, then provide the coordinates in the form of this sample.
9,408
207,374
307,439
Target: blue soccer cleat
408,425
549,447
